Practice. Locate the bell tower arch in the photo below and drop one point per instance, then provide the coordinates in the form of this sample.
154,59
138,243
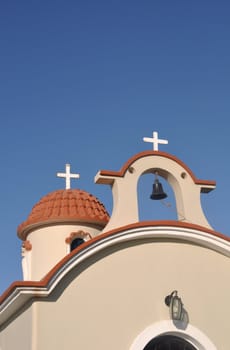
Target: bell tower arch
186,187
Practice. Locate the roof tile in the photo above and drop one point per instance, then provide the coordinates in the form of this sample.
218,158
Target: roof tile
64,206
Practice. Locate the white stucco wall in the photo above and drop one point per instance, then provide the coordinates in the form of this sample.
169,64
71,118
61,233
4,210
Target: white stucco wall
19,332
114,299
49,247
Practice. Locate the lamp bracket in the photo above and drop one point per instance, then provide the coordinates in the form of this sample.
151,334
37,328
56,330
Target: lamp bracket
168,298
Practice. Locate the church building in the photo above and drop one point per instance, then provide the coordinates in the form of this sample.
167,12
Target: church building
94,281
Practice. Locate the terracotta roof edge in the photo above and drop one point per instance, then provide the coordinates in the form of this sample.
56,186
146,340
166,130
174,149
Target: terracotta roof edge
131,160
43,283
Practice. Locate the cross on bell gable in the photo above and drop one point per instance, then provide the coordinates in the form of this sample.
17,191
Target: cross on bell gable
68,176
155,140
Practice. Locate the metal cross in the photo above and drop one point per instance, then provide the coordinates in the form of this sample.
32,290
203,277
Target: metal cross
67,175
155,140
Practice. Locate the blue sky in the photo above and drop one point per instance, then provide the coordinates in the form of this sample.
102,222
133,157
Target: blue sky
82,82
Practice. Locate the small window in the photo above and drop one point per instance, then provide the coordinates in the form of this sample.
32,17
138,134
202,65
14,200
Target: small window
75,243
168,342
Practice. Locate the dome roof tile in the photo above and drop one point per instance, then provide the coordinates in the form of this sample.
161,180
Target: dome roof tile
72,205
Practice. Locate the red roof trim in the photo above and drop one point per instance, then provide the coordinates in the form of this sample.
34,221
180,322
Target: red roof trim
45,281
130,161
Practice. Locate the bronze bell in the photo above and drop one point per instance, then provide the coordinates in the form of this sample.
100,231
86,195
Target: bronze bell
158,192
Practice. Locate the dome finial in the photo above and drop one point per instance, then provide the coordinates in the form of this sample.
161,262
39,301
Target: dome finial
67,175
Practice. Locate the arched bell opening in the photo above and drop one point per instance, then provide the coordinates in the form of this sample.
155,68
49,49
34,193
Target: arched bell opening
131,201
156,198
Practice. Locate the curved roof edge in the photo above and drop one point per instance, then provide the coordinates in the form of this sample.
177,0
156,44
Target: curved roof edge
20,292
131,160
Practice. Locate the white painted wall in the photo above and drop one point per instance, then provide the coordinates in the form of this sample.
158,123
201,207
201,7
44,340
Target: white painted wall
113,300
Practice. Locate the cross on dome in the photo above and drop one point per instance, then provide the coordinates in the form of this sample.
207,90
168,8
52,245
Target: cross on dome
67,175
155,140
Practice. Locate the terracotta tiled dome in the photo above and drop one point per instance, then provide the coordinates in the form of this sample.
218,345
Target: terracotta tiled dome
65,206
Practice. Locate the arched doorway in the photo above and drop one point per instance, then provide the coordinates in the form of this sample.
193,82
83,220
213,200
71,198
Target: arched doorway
168,342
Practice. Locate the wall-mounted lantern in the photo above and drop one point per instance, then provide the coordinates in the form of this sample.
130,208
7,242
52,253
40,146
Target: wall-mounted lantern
175,306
